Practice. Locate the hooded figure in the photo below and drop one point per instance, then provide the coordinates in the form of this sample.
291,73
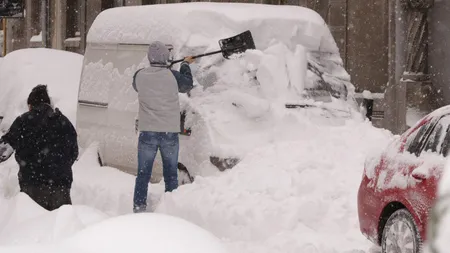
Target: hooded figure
45,144
159,118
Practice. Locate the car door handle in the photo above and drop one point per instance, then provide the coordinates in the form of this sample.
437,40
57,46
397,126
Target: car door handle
418,175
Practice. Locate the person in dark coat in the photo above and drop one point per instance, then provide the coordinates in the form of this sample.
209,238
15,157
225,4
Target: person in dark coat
45,144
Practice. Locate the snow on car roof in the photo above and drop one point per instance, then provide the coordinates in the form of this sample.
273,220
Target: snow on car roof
203,24
440,112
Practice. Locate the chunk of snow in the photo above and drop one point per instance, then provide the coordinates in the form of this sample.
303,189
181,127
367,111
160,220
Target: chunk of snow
75,39
36,38
367,94
297,69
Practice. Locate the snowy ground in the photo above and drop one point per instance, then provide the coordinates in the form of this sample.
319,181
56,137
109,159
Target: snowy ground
296,196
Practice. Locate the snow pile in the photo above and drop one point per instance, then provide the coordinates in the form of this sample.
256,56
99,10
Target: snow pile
106,188
291,196
230,122
22,221
23,69
140,233
143,232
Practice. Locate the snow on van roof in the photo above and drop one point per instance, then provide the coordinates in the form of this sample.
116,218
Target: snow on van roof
203,24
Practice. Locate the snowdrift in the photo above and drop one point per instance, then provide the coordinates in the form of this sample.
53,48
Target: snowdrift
22,221
158,232
23,69
289,196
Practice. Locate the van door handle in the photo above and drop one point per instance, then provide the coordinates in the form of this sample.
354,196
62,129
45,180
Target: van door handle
136,124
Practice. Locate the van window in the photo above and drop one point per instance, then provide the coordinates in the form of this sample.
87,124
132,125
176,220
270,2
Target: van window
97,75
128,58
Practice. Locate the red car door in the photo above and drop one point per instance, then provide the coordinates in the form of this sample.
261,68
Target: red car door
425,170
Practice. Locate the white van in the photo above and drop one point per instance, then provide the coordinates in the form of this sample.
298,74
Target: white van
235,104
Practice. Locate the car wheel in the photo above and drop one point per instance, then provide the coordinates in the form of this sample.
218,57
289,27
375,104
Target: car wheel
183,175
400,234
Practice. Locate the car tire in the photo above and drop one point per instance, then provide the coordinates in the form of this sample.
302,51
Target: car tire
394,237
183,175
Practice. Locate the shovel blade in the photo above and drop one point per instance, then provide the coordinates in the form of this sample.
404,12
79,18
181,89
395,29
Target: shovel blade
237,44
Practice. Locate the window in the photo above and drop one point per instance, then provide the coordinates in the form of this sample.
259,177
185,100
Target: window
433,137
414,145
446,143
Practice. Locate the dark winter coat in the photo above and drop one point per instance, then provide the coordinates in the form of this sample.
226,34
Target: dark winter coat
46,146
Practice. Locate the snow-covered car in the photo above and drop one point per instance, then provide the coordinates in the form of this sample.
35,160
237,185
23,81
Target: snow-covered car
399,185
23,69
236,105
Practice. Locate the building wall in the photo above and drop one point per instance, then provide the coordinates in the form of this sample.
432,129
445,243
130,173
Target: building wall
367,44
439,44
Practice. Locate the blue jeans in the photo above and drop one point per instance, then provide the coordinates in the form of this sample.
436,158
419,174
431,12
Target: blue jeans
149,143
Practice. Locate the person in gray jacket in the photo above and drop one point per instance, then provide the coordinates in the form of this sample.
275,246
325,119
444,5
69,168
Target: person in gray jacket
159,119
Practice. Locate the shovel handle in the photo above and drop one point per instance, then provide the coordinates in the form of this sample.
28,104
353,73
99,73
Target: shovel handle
197,56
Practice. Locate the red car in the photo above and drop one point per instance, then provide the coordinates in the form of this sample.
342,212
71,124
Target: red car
399,185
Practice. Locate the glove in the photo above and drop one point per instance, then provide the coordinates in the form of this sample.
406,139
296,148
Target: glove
5,151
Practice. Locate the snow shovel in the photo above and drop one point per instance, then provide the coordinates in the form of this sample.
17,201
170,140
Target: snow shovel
229,46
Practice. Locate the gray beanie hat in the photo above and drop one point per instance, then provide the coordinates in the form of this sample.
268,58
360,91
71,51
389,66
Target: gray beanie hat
158,54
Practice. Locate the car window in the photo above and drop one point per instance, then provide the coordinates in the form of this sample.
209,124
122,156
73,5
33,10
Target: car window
445,148
436,139
415,144
412,143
